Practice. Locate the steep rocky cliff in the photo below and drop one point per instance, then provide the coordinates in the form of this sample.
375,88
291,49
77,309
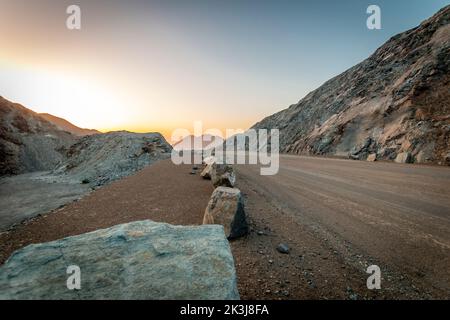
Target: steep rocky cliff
395,104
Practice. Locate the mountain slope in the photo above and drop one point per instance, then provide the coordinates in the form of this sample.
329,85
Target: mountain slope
396,101
65,125
27,141
30,143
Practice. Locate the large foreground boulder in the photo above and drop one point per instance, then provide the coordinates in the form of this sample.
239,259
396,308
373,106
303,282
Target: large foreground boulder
226,207
138,260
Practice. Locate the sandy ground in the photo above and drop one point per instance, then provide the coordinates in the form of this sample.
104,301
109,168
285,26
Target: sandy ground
337,216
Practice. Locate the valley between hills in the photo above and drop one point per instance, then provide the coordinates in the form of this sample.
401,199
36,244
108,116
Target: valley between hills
363,180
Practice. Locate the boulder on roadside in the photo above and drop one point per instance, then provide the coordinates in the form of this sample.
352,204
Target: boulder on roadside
222,175
226,207
372,157
207,172
137,260
403,157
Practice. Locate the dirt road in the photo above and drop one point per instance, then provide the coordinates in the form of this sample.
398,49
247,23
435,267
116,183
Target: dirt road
338,217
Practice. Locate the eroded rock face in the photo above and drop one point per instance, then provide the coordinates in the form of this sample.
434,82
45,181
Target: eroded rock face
138,260
222,175
226,207
395,101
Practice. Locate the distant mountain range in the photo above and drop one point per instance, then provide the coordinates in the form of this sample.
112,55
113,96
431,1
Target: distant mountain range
393,105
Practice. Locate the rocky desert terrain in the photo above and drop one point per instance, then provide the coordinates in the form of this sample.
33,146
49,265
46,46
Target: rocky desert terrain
43,166
145,228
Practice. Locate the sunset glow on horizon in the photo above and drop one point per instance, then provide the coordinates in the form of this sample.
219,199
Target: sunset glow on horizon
156,66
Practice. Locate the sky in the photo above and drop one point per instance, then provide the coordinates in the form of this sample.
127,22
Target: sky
150,66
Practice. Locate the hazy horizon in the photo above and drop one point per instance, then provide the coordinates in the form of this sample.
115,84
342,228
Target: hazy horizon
149,66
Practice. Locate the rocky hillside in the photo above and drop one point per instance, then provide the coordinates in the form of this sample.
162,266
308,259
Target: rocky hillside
395,104
27,141
65,125
100,158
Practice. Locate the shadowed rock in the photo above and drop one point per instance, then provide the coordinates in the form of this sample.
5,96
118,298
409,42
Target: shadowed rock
222,175
226,208
404,157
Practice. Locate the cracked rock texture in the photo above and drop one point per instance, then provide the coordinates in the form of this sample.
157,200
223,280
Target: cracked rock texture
137,260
